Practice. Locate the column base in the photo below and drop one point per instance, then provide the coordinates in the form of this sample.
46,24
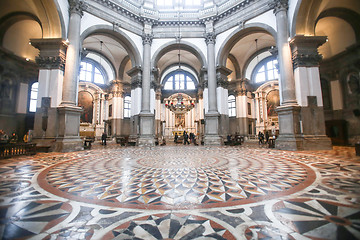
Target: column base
144,141
290,137
146,137
211,136
289,142
210,140
68,139
316,142
68,145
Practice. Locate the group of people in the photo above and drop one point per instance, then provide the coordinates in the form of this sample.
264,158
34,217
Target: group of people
264,138
234,140
13,138
186,138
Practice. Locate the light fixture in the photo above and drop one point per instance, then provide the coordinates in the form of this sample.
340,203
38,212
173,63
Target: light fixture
177,104
178,40
256,50
101,43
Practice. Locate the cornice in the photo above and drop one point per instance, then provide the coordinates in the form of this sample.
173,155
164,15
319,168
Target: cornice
235,10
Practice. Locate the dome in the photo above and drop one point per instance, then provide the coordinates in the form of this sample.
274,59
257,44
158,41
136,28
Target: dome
158,11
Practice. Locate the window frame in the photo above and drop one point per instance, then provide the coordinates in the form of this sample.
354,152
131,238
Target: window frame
33,99
232,105
263,63
182,3
127,108
179,72
95,65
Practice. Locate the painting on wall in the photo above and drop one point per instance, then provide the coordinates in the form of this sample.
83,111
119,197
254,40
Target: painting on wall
273,101
180,120
86,102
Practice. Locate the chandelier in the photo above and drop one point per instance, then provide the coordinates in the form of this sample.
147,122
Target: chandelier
179,105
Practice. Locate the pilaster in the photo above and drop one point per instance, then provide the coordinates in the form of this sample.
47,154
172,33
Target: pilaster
308,90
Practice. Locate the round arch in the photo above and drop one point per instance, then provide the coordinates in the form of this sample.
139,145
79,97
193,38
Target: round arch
174,45
347,15
107,60
236,35
8,20
168,68
118,35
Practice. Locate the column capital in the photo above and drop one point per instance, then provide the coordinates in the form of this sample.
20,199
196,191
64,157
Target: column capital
136,77
77,6
147,38
155,85
274,51
279,5
52,53
305,50
210,38
221,76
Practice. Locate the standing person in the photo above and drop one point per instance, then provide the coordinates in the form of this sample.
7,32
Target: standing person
261,138
267,136
186,138
176,138
192,136
103,138
26,137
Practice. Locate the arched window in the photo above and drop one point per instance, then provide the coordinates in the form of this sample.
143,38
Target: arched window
33,96
127,106
179,80
91,73
266,70
232,106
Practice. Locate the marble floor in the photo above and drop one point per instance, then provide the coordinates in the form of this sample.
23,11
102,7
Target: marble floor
181,192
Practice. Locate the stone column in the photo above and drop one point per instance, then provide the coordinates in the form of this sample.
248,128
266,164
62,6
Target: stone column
136,82
69,113
146,137
212,116
222,103
51,62
308,90
290,137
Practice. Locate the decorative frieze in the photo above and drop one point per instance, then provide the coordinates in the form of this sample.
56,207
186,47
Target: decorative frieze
57,62
279,5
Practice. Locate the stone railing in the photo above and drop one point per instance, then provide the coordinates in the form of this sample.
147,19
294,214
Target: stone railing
16,149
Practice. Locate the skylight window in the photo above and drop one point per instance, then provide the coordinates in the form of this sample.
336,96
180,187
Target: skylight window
179,4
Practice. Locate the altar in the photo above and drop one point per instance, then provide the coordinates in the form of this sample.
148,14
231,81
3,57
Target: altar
179,133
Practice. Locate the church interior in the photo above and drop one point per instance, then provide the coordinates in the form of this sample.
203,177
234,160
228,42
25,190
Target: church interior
179,119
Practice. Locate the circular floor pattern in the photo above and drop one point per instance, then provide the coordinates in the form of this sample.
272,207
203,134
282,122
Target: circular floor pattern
169,226
319,219
176,177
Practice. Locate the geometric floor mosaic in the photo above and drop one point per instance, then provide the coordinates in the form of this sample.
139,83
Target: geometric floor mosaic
181,192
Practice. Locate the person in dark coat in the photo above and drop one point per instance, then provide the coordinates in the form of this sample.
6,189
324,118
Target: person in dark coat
186,138
176,138
103,138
